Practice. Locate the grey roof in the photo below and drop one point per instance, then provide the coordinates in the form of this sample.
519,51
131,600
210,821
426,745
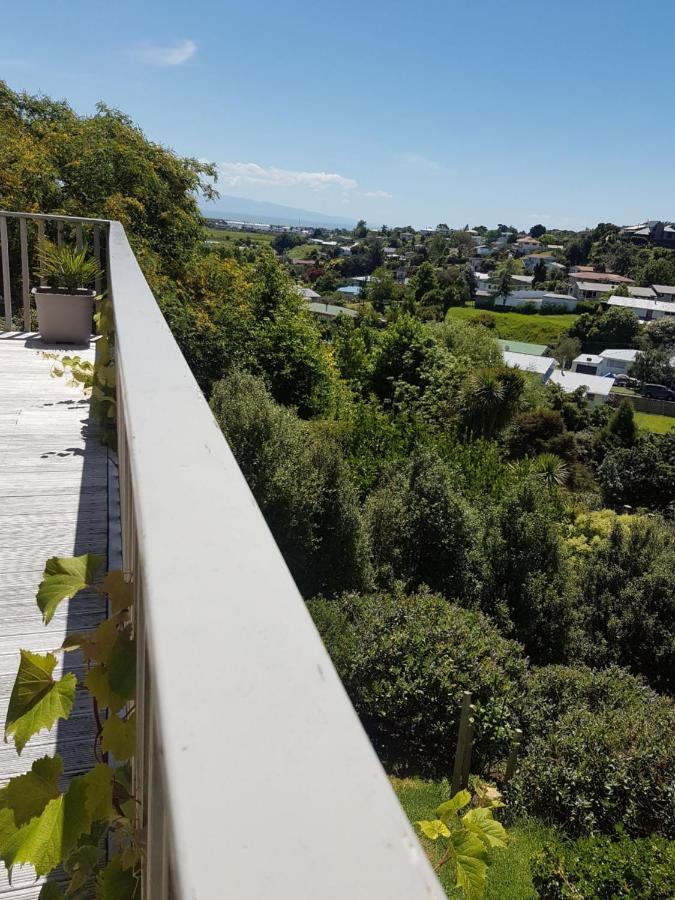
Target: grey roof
664,288
570,381
620,354
595,286
642,291
330,309
528,362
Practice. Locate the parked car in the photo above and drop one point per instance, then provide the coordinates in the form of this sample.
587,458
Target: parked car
657,392
626,381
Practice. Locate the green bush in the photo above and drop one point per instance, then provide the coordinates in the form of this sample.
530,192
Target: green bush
405,662
603,868
600,750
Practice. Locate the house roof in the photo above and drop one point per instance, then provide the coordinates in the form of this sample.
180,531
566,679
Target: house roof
623,355
523,279
307,293
607,277
595,286
540,365
331,309
588,358
635,291
636,303
664,288
526,240
350,289
570,381
523,347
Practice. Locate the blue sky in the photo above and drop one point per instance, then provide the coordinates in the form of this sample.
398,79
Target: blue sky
398,112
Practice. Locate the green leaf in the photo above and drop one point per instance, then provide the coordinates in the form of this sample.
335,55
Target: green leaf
50,891
119,591
37,700
471,864
63,578
119,737
99,784
434,829
47,839
98,685
116,883
482,823
451,807
27,795
122,665
79,865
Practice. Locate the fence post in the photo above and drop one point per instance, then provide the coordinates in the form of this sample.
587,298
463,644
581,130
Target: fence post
462,735
466,761
511,762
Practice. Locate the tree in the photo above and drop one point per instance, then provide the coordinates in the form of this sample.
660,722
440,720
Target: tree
286,241
361,229
566,349
489,400
536,231
642,475
463,242
503,277
540,273
654,367
423,281
622,425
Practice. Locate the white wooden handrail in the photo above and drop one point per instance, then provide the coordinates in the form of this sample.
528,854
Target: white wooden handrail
255,777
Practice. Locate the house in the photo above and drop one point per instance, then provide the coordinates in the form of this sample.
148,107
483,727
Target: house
542,366
331,310
536,298
523,347
587,364
526,244
591,290
618,362
664,292
661,234
645,310
605,277
352,289
645,293
596,387
518,282
532,260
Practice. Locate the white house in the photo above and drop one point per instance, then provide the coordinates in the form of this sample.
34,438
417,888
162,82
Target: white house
587,364
664,292
609,362
542,366
532,260
591,290
645,310
526,245
596,387
540,299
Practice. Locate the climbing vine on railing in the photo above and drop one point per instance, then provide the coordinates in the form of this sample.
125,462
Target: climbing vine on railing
40,824
467,837
99,379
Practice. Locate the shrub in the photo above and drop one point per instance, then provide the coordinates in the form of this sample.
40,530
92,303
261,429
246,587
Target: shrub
600,750
604,868
405,662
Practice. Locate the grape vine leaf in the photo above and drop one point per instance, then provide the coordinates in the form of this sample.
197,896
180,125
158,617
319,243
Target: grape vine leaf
99,785
470,863
98,685
434,829
117,883
80,864
447,810
119,591
122,665
50,891
482,824
63,578
47,839
119,737
27,795
37,700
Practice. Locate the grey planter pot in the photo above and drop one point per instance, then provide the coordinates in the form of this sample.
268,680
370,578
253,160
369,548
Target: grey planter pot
64,318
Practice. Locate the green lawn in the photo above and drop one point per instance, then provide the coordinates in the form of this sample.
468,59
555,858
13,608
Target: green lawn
302,251
534,328
654,422
509,872
239,237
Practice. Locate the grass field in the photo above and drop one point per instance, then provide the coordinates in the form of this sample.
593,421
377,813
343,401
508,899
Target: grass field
302,251
239,237
653,422
509,872
515,326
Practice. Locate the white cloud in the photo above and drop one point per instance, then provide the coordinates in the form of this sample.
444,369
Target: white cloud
421,161
379,195
237,173
167,56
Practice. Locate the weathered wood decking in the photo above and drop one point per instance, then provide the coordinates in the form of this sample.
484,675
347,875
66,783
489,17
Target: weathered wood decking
53,502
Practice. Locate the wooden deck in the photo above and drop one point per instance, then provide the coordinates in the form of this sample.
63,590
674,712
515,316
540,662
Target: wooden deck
53,502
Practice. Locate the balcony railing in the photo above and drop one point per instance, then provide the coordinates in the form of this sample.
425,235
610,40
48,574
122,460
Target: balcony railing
255,777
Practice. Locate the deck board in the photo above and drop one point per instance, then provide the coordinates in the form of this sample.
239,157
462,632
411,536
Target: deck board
54,475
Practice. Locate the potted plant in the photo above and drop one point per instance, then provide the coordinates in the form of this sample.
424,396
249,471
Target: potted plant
64,303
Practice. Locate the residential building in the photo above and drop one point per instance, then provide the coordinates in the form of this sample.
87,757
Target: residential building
664,292
538,298
542,366
524,245
532,260
645,293
351,289
604,277
331,310
591,290
645,309
661,234
596,388
307,293
618,362
523,347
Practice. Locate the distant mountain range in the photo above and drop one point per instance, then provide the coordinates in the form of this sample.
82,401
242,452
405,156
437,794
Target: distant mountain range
228,207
